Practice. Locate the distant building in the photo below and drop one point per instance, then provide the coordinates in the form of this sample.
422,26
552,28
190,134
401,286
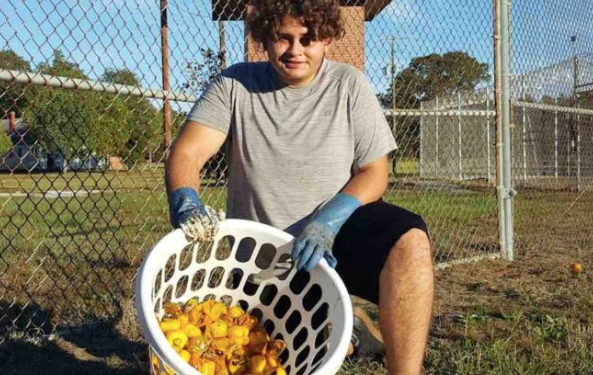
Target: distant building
26,155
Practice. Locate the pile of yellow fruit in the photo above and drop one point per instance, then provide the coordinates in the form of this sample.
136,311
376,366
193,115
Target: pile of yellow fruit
220,340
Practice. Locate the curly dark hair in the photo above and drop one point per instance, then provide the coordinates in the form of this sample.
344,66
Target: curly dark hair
321,17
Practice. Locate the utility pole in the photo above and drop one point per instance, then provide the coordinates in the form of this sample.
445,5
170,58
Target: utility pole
222,43
165,76
392,70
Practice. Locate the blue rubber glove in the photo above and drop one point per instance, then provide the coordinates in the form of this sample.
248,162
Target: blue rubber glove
199,222
317,238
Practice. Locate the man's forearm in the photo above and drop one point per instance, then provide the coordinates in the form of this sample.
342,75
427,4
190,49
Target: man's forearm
181,171
369,183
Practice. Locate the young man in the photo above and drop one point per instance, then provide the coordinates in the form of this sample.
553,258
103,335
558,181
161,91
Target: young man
308,146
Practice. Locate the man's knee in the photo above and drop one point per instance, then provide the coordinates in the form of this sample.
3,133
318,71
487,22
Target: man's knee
413,247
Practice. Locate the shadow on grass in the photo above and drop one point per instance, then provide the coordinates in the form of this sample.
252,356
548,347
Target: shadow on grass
27,347
49,358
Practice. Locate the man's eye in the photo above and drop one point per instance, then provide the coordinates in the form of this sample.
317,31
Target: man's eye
306,41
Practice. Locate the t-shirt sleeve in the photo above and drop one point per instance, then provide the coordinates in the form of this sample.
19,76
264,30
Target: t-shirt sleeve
213,109
372,135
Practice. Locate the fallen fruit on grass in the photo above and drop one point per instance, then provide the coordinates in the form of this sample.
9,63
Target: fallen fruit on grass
576,267
221,340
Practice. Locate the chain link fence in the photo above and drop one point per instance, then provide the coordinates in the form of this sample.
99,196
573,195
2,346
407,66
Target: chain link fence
92,93
458,136
552,119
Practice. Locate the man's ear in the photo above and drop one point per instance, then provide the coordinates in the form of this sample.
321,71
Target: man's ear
327,44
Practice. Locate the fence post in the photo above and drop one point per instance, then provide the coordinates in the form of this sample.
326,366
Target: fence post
488,135
165,75
578,117
436,151
556,141
503,133
459,153
421,137
524,138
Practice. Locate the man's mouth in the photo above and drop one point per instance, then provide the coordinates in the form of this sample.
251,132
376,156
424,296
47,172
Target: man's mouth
293,64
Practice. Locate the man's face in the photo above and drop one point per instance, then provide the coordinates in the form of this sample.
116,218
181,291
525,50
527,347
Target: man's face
295,57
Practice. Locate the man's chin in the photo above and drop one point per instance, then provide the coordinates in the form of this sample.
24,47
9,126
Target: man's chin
294,78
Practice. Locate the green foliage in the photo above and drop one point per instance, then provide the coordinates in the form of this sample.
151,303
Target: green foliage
64,120
79,123
549,327
12,95
155,145
204,70
5,144
61,67
586,100
425,78
468,318
429,76
120,76
145,133
139,126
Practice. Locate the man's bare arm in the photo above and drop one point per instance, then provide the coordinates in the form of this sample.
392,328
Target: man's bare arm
370,181
192,149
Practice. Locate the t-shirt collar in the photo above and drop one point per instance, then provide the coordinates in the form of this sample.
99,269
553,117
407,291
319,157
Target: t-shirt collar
283,86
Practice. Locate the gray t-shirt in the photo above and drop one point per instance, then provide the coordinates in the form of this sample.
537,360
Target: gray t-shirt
292,149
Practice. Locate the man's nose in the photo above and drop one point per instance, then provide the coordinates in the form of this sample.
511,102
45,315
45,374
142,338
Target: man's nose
296,48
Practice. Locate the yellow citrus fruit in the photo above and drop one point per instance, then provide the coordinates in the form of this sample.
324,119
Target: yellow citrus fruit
576,267
218,339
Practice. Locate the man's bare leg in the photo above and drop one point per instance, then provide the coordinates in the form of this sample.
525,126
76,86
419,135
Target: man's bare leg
405,302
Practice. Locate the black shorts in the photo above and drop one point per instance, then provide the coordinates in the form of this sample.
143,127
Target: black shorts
364,241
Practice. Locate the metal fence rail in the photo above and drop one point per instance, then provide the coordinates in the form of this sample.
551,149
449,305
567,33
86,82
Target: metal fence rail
92,92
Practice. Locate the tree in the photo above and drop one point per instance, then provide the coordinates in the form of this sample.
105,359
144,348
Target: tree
155,145
425,78
76,122
61,67
79,123
586,100
202,73
13,96
63,120
5,144
429,76
142,123
120,76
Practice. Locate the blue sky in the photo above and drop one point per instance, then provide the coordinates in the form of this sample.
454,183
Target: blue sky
100,34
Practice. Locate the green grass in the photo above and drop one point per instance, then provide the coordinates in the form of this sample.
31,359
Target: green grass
409,167
72,261
110,180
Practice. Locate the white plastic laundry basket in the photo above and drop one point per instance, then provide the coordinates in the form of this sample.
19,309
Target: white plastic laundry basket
311,312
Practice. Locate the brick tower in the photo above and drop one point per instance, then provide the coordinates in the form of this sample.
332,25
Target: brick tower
349,49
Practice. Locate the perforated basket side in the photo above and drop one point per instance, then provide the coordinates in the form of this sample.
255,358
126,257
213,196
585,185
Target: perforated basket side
311,312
